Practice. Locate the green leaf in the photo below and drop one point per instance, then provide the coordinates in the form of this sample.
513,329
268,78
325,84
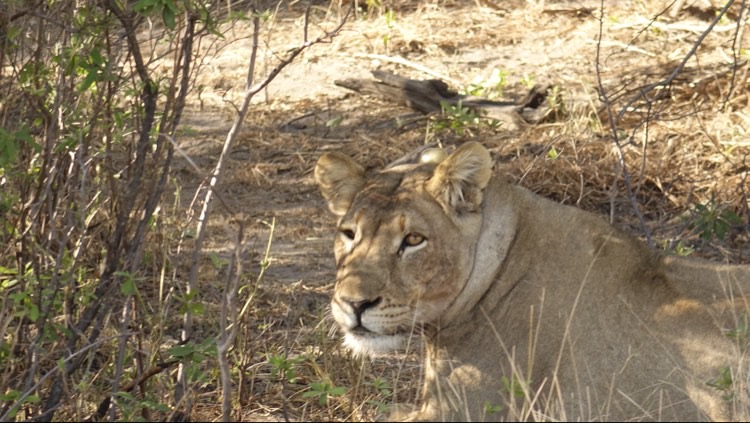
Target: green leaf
66,144
24,135
8,148
335,122
724,381
32,399
155,406
128,284
179,351
11,395
128,287
490,408
32,312
95,58
8,270
197,308
126,396
720,228
144,6
8,283
218,262
169,17
513,386
337,391
87,82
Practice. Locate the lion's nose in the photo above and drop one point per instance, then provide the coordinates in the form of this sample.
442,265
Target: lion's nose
360,306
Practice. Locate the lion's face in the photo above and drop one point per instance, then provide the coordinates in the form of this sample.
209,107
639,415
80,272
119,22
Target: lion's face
404,245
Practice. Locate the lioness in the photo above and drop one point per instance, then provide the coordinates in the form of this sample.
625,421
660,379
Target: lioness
530,307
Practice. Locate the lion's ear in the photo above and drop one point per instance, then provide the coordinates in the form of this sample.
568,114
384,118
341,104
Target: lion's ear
340,179
460,179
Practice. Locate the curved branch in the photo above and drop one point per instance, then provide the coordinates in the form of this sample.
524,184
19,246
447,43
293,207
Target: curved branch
676,71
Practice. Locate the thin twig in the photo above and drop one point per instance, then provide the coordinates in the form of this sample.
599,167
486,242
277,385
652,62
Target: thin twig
735,60
227,330
615,136
666,82
250,91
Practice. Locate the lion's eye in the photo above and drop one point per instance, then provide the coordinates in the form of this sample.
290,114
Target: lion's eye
412,239
347,233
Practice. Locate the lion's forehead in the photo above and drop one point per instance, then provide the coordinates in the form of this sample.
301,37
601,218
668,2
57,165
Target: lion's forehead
398,212
391,195
394,180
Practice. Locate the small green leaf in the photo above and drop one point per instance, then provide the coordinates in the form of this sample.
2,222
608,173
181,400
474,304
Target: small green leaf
724,381
96,58
126,396
197,308
8,148
128,287
144,6
8,271
218,262
87,82
513,386
11,395
8,283
337,391
490,408
155,406
169,17
33,312
32,399
180,351
335,122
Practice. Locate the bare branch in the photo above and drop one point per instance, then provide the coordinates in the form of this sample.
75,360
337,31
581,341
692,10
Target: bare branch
622,167
227,330
735,60
204,215
666,82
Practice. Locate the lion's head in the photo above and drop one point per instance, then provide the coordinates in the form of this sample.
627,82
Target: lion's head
405,242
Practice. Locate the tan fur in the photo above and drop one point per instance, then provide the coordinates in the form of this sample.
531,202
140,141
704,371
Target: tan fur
539,308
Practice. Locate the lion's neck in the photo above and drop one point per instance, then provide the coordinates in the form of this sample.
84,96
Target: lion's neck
499,221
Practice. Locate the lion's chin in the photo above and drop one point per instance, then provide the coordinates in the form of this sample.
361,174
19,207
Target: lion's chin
372,344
